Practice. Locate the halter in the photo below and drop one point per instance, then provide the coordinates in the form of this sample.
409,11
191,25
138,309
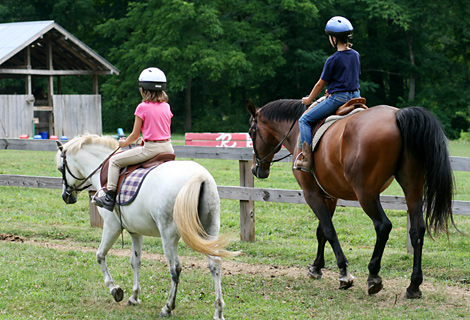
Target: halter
77,188
260,161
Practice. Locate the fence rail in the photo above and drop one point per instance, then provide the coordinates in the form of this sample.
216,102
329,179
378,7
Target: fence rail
246,193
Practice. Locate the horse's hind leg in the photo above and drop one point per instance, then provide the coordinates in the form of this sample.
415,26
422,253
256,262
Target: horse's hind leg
111,232
411,180
170,241
136,262
215,268
383,226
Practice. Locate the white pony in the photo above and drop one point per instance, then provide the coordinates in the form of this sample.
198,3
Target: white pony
178,198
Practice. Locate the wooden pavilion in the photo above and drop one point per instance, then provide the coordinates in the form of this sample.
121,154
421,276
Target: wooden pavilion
43,49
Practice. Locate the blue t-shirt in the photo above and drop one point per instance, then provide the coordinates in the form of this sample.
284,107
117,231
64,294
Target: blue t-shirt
342,70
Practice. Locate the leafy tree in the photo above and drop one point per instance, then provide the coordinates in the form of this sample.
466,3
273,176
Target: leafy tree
213,52
216,54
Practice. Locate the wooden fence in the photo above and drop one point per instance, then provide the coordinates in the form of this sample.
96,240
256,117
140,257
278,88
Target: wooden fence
246,193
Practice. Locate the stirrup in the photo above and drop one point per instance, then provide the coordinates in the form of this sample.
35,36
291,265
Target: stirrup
300,168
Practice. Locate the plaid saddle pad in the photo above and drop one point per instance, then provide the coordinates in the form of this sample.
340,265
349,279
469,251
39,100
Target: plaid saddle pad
131,185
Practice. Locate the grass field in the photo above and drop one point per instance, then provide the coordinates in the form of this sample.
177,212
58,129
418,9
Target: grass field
54,275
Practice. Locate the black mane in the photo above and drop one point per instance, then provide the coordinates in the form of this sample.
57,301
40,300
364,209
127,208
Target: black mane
282,110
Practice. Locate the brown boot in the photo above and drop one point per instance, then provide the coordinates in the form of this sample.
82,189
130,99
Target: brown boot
304,159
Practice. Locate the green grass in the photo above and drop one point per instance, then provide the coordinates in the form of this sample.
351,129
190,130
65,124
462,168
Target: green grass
54,274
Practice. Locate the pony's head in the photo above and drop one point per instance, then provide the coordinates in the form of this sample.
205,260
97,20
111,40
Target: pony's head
74,179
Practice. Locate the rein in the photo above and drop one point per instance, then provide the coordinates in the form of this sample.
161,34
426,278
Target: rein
278,146
79,187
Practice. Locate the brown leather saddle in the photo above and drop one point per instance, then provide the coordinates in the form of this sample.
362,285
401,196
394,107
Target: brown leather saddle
351,105
155,161
342,111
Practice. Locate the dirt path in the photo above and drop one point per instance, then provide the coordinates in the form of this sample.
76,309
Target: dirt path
393,288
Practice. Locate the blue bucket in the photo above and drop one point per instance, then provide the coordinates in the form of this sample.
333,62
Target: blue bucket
44,134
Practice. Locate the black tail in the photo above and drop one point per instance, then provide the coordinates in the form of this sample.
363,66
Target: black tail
424,139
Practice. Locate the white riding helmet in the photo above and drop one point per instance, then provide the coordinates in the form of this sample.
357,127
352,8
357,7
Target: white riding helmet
152,79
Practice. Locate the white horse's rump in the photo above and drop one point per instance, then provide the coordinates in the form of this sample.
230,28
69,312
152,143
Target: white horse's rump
179,198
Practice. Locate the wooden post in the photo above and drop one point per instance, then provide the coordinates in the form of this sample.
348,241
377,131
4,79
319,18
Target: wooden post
29,86
50,85
247,207
95,84
50,66
95,218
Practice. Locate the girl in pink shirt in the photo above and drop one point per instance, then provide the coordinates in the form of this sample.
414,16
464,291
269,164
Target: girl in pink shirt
153,119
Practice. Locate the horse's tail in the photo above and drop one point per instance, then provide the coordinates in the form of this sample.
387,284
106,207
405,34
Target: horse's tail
425,140
186,217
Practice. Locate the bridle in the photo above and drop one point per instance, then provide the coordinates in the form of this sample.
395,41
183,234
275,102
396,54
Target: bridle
65,169
259,160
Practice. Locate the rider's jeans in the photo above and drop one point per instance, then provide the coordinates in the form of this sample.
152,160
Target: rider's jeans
323,110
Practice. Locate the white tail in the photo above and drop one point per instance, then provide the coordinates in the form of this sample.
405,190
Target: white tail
186,217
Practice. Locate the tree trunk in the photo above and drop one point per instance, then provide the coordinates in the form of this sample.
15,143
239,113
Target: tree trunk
187,105
412,80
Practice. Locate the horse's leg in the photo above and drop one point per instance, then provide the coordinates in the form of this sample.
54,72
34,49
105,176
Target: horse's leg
319,205
111,231
314,270
170,241
383,226
136,262
215,268
410,181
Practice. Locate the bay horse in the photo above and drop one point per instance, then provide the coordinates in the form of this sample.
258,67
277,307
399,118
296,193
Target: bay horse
356,159
176,199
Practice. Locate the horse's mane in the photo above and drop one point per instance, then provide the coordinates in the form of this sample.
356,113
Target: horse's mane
76,144
282,110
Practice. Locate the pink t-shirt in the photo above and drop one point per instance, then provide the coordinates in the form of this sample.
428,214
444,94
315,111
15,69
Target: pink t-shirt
156,120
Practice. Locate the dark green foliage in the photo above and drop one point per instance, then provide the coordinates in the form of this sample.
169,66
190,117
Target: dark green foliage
217,54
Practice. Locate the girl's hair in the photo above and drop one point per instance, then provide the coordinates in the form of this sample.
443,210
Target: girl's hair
153,96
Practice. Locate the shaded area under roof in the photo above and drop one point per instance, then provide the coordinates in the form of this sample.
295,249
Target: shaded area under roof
67,55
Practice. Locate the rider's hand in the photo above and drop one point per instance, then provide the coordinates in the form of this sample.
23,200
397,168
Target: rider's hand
306,101
122,143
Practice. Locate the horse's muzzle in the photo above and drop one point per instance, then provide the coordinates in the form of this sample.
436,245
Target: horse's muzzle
69,198
259,172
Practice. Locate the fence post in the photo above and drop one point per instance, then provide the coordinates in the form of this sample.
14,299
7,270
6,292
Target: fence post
96,221
247,207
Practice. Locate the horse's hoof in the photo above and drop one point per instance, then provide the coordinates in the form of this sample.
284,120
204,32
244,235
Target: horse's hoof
374,285
133,302
165,312
413,294
117,294
346,282
313,273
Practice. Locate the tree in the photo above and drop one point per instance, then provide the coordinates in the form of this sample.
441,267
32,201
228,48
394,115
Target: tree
231,46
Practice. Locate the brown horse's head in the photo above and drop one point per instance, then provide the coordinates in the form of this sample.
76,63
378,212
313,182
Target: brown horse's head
262,143
270,126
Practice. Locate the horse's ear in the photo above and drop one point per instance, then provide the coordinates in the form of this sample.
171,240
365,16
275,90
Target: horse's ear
251,107
60,145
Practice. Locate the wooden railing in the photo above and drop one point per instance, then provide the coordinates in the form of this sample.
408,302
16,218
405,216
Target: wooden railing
246,193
